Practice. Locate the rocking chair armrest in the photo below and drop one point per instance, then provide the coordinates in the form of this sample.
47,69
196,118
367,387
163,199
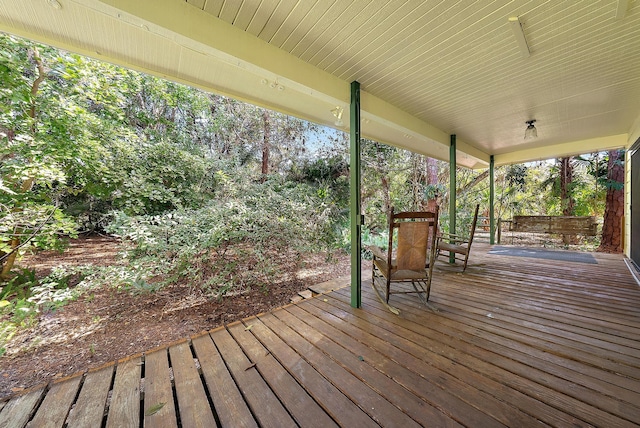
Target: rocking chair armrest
377,252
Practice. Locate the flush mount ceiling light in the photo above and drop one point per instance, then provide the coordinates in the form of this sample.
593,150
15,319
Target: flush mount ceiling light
516,26
54,4
531,132
337,112
621,9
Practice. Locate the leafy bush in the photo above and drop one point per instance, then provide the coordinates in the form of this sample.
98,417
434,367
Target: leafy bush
25,296
235,242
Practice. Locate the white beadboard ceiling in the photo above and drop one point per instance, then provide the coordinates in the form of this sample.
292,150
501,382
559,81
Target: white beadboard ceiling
427,69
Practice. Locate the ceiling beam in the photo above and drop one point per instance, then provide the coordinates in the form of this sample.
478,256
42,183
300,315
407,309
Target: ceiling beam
561,150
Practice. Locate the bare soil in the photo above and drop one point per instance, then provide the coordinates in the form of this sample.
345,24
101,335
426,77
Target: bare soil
107,324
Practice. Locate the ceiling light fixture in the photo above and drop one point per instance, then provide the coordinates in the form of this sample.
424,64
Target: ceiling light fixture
516,26
531,132
337,112
54,4
621,9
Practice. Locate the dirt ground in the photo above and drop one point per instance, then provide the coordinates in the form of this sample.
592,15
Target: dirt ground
106,324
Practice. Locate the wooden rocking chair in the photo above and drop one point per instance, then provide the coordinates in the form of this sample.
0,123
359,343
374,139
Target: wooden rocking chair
416,240
457,244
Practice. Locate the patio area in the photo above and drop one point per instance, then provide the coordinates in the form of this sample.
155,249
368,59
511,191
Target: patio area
514,341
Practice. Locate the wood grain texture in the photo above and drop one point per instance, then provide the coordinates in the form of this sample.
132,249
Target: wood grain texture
159,408
124,409
90,405
17,411
230,406
53,410
264,404
195,410
302,407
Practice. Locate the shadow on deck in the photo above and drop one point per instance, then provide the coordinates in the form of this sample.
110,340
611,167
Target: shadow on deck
515,341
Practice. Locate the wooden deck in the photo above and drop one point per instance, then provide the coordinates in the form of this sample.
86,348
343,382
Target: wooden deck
515,341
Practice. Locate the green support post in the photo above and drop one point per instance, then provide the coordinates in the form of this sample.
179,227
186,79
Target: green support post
452,192
492,192
354,200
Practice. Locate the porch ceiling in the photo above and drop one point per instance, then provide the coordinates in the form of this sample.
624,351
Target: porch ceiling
427,69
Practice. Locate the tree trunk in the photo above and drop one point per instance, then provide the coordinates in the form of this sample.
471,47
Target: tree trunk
566,194
265,144
432,179
614,209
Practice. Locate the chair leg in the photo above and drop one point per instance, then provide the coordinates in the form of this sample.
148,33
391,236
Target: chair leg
388,289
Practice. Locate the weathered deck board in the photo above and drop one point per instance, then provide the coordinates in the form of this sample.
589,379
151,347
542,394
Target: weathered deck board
439,352
124,409
159,408
195,410
89,408
302,407
17,411
53,410
228,402
344,411
262,401
511,342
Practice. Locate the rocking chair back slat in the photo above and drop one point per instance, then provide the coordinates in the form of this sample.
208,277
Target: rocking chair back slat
412,245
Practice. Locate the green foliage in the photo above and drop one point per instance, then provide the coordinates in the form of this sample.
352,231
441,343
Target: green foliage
234,242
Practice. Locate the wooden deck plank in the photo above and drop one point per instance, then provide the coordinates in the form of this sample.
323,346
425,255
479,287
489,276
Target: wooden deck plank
615,341
357,362
228,402
615,304
376,405
545,386
390,379
549,345
159,408
264,404
609,397
587,319
302,407
617,361
336,404
332,284
603,380
449,362
17,411
90,405
193,404
560,393
124,408
54,409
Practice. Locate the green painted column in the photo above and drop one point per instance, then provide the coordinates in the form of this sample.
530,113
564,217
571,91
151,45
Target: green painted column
452,192
492,192
354,198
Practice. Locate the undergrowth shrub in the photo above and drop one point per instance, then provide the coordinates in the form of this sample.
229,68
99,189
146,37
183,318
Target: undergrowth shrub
237,241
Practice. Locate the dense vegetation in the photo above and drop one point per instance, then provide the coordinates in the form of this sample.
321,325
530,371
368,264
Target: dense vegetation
204,188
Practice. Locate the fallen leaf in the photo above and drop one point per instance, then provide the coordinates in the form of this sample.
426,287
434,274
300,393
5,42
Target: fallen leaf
154,409
249,327
4,303
17,389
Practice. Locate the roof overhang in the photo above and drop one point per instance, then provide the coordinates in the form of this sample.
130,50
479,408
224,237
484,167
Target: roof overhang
180,41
